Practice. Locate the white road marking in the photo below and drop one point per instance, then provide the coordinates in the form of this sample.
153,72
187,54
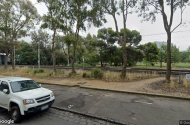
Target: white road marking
143,102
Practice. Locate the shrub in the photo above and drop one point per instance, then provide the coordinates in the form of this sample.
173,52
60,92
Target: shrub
59,73
38,71
41,71
85,75
97,73
29,70
72,74
51,73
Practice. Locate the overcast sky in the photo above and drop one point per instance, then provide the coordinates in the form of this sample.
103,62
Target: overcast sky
180,37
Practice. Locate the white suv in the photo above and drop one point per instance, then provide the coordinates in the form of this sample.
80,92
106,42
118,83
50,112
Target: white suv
22,96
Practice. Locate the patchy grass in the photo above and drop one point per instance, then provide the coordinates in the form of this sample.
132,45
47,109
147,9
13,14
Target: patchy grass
174,86
94,74
157,65
186,83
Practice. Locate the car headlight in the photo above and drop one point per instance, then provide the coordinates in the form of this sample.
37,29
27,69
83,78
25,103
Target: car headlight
52,94
28,101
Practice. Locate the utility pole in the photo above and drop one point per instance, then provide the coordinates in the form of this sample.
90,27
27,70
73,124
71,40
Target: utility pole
38,54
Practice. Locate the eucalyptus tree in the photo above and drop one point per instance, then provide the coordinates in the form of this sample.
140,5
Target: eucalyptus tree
150,51
133,37
123,7
106,40
167,9
4,28
40,37
54,20
17,17
82,11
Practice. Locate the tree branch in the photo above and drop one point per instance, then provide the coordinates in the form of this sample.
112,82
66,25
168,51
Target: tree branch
182,10
172,13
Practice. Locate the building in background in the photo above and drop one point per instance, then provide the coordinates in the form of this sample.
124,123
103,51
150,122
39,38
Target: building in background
2,59
160,43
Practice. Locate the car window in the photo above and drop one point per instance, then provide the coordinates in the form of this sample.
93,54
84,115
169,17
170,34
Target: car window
25,85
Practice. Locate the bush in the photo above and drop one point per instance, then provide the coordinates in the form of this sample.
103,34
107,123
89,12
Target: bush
41,71
72,74
85,75
29,70
51,74
97,73
38,71
59,73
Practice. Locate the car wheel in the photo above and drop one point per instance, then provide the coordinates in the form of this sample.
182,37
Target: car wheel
15,114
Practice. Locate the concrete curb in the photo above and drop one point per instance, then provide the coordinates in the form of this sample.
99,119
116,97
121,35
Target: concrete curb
88,115
127,92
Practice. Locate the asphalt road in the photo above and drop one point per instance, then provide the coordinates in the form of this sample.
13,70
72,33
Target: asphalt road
126,108
54,117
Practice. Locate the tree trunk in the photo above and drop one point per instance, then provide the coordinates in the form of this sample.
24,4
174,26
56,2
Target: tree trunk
124,51
168,73
74,49
73,60
69,58
12,58
101,63
161,64
53,52
5,61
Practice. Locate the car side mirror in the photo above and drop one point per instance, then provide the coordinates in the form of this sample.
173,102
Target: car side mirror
6,91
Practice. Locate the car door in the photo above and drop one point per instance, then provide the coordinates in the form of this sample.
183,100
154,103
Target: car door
4,98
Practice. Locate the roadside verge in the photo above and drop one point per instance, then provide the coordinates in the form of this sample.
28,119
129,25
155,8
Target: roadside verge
127,92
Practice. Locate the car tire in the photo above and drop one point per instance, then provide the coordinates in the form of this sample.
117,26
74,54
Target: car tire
15,114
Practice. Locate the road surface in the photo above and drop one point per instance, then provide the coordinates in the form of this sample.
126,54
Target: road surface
121,107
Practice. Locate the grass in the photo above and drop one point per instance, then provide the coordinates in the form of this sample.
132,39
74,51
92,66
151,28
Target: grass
45,73
157,65
174,84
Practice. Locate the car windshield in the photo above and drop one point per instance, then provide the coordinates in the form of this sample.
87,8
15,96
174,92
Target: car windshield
24,85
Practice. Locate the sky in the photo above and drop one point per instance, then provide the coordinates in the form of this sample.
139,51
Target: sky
150,31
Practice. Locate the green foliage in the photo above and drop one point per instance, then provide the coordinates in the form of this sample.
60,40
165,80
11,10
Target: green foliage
97,73
175,54
27,54
71,74
59,73
185,56
81,65
85,75
133,37
150,51
50,74
35,71
29,70
61,59
133,56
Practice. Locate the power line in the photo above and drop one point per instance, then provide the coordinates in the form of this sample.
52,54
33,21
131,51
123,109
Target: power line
165,33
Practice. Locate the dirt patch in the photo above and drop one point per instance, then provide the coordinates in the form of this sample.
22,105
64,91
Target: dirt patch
174,87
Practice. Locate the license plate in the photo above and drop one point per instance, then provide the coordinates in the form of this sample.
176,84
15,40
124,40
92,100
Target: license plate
44,107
